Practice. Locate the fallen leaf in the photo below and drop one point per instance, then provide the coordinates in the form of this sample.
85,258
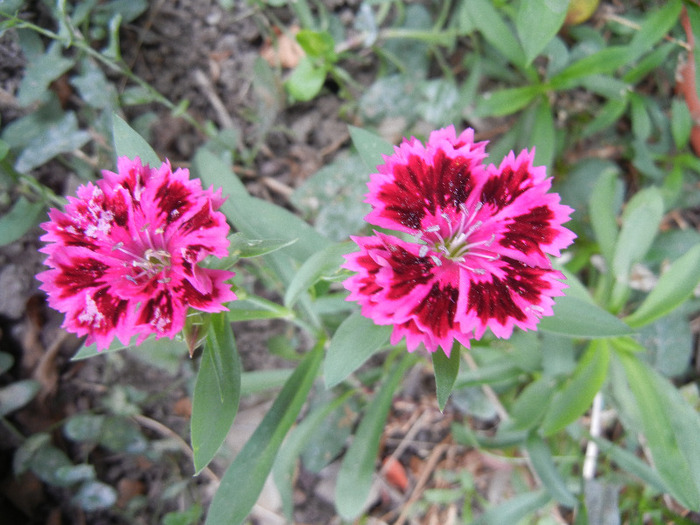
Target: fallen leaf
395,474
285,51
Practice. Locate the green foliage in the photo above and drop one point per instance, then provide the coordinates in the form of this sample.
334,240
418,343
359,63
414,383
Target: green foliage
216,392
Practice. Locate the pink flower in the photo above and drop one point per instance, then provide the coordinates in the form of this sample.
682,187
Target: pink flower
473,247
124,256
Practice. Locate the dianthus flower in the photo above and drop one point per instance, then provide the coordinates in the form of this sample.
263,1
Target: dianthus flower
474,248
124,256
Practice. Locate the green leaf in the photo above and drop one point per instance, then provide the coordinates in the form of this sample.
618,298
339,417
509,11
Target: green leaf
501,370
532,403
242,247
93,86
485,18
672,289
631,463
334,197
656,25
217,392
606,60
322,265
371,147
128,143
24,455
318,44
160,346
681,122
58,137
671,428
641,121
15,395
542,463
47,461
95,495
446,370
72,474
640,224
6,362
574,317
515,509
355,477
40,72
244,479
256,218
84,427
262,380
571,401
537,22
543,135
506,101
602,213
306,80
121,434
23,216
355,341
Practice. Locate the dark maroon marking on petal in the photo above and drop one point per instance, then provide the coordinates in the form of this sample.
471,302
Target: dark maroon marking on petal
113,308
455,181
119,209
82,273
526,281
368,283
420,188
173,199
161,302
502,189
200,220
409,271
437,309
528,231
191,297
493,301
76,237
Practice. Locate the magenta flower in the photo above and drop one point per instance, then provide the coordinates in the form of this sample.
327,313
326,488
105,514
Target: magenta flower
473,247
124,256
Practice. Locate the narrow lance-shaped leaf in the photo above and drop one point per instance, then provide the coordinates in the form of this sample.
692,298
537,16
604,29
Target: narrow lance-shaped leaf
602,212
514,509
542,462
244,479
671,428
507,101
673,288
355,341
537,22
640,225
22,216
128,143
446,370
578,318
371,147
576,396
486,19
216,392
355,476
325,263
